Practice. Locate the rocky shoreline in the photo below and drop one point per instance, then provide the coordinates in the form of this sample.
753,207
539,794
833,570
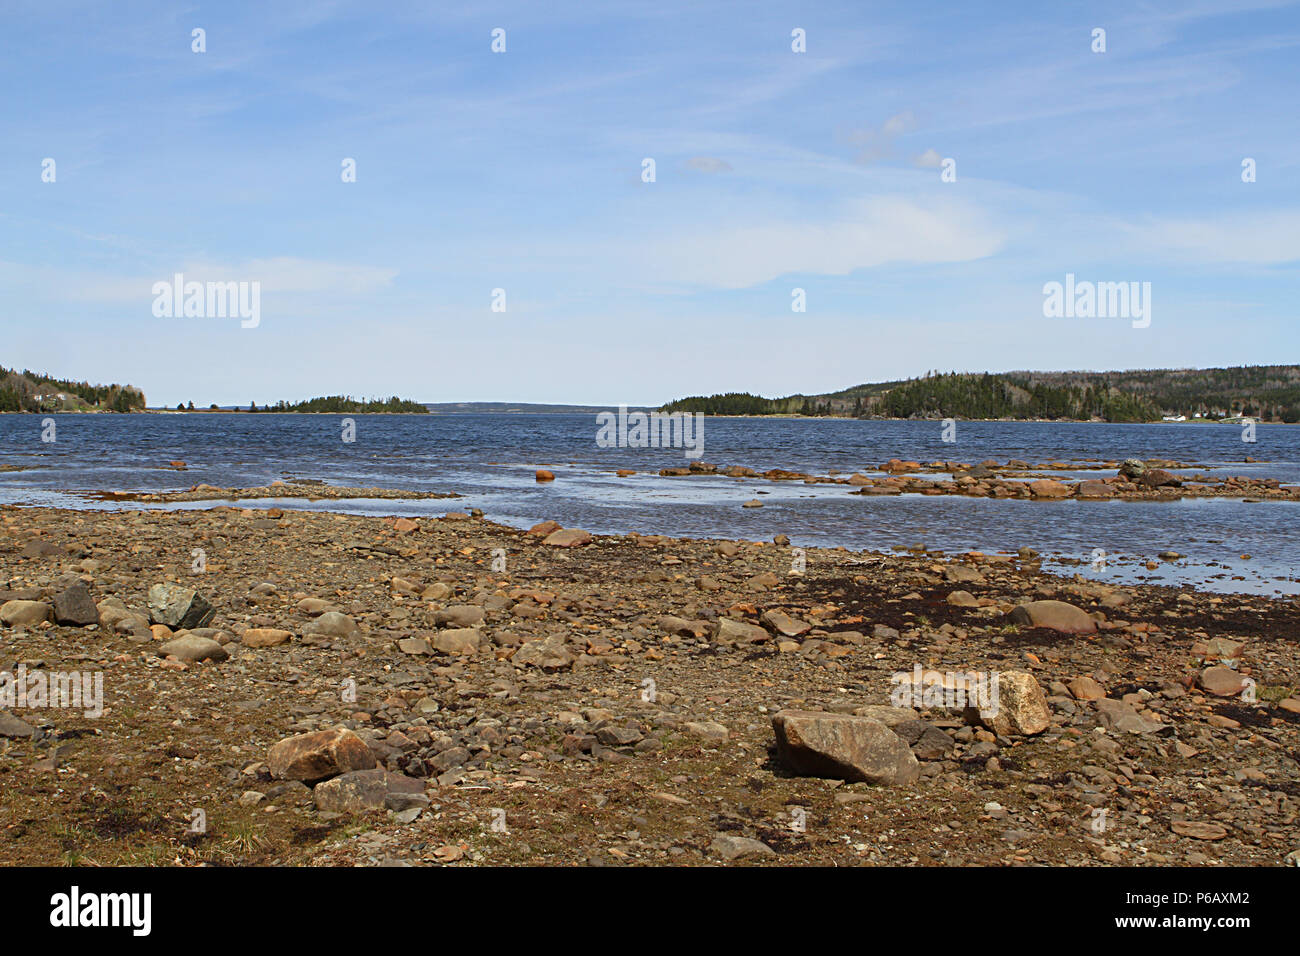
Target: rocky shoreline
309,688
308,490
1134,480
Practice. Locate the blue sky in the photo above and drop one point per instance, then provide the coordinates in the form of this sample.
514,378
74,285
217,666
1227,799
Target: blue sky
522,170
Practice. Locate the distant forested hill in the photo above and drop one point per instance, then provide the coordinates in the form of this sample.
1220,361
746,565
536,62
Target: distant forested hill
1268,393
29,391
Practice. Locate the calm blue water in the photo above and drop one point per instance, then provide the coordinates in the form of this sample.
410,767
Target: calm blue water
490,460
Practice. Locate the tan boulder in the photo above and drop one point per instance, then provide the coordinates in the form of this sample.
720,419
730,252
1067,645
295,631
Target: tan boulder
843,747
567,538
1056,615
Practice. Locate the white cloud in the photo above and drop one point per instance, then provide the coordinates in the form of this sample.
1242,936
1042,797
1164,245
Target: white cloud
881,231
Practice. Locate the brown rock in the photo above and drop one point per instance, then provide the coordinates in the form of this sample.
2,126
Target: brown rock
1049,488
783,623
1221,681
1094,489
729,631
567,538
319,755
265,637
457,640
962,599
1198,830
1085,688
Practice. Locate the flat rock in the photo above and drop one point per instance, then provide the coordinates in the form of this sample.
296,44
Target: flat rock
459,615
1120,717
547,655
730,631
265,637
707,730
359,790
11,726
1199,830
729,847
567,538
1049,488
783,623
1221,681
192,647
1085,688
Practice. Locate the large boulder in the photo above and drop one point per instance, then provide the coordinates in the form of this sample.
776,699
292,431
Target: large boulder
1056,615
1021,708
843,747
319,755
24,613
180,608
75,606
1132,468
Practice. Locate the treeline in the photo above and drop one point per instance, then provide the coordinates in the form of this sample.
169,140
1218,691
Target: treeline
346,403
1266,393
29,391
1000,396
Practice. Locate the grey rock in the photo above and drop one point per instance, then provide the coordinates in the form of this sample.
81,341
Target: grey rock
75,606
178,607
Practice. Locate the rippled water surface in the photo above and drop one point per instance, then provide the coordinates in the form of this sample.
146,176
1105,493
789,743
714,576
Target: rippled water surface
490,459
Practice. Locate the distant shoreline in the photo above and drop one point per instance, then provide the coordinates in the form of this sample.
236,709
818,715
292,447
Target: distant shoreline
596,409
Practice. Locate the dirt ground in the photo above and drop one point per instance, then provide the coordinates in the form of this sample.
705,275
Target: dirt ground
597,718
